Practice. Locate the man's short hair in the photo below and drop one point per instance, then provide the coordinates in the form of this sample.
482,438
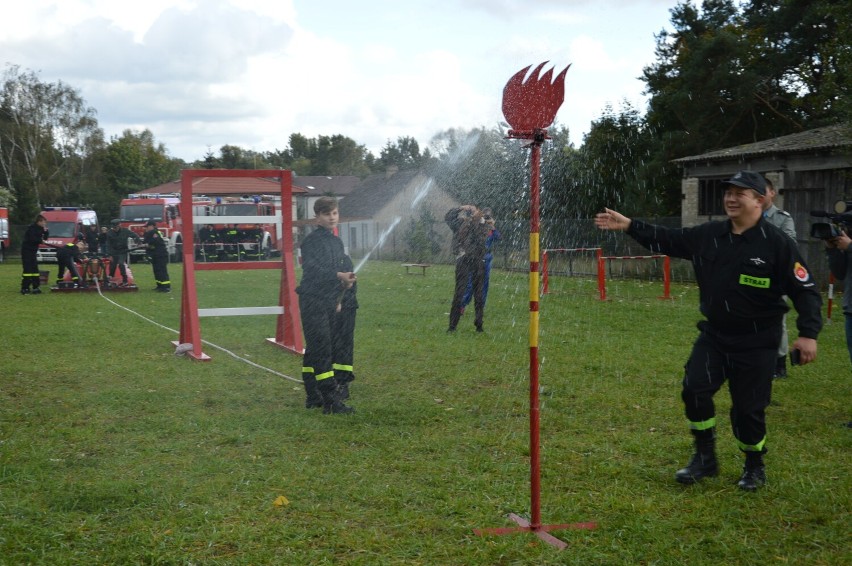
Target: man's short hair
324,205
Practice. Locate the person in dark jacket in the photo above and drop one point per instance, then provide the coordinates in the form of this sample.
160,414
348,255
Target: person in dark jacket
36,234
493,236
327,282
90,236
839,252
208,241
118,247
158,254
102,240
744,266
67,257
470,230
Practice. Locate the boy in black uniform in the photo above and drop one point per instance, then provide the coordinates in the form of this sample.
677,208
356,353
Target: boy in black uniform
744,266
158,255
67,257
327,282
36,234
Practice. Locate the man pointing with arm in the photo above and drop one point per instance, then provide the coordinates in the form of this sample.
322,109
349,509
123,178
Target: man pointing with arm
744,266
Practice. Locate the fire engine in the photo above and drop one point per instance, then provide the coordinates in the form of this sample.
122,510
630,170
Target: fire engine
259,240
4,232
65,224
164,209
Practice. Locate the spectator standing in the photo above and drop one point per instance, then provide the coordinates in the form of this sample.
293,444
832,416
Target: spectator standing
469,234
782,220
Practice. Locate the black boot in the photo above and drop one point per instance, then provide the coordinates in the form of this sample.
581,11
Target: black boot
703,463
313,399
754,473
343,381
331,401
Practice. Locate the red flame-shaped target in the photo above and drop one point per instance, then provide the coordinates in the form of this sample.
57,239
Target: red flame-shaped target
532,104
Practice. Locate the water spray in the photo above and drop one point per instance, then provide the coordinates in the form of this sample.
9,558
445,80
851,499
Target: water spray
382,237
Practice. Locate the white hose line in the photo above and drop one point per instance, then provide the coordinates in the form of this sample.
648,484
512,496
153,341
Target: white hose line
230,353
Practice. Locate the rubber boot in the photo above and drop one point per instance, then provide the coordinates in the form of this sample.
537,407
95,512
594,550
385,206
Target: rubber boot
313,399
331,401
343,380
754,473
703,462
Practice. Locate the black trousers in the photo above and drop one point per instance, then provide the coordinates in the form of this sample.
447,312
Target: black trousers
318,321
118,260
473,269
30,274
67,263
746,362
343,344
160,264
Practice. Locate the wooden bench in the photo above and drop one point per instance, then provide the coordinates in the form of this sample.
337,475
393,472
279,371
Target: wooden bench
422,266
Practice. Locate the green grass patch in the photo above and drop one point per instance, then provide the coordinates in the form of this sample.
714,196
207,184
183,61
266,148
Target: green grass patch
115,451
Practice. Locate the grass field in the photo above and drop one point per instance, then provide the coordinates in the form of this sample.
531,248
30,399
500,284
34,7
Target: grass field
115,451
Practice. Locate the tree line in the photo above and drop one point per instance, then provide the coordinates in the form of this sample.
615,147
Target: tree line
726,74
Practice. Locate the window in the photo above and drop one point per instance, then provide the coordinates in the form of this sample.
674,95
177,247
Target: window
710,195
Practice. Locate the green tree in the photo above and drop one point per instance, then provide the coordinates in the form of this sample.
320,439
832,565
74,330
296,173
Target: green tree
325,155
403,154
47,134
135,161
725,77
421,238
803,51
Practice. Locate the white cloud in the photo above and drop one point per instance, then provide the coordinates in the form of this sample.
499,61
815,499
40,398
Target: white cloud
202,73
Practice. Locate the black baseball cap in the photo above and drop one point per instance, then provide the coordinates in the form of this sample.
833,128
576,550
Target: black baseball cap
748,180
150,223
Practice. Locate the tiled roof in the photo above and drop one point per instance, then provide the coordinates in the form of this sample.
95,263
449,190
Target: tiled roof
338,185
231,186
838,136
374,193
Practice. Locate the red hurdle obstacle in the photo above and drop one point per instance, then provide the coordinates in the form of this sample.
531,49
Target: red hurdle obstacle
544,265
667,272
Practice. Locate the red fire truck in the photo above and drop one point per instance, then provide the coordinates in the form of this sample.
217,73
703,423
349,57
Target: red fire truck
65,224
164,209
4,232
258,240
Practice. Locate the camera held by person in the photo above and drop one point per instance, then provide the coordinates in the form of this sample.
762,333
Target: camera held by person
838,221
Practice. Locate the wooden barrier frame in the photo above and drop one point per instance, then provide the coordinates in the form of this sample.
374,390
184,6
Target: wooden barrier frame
288,330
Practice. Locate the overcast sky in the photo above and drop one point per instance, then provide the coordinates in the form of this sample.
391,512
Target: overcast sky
204,73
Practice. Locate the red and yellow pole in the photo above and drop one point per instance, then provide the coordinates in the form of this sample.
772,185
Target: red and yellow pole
535,466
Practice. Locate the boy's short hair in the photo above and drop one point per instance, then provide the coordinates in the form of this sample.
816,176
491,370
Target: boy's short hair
324,205
39,218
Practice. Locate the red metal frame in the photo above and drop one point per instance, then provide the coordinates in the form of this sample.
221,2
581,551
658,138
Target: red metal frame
667,272
530,107
545,274
288,333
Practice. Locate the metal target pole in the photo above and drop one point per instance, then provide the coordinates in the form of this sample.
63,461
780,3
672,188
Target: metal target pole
530,106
